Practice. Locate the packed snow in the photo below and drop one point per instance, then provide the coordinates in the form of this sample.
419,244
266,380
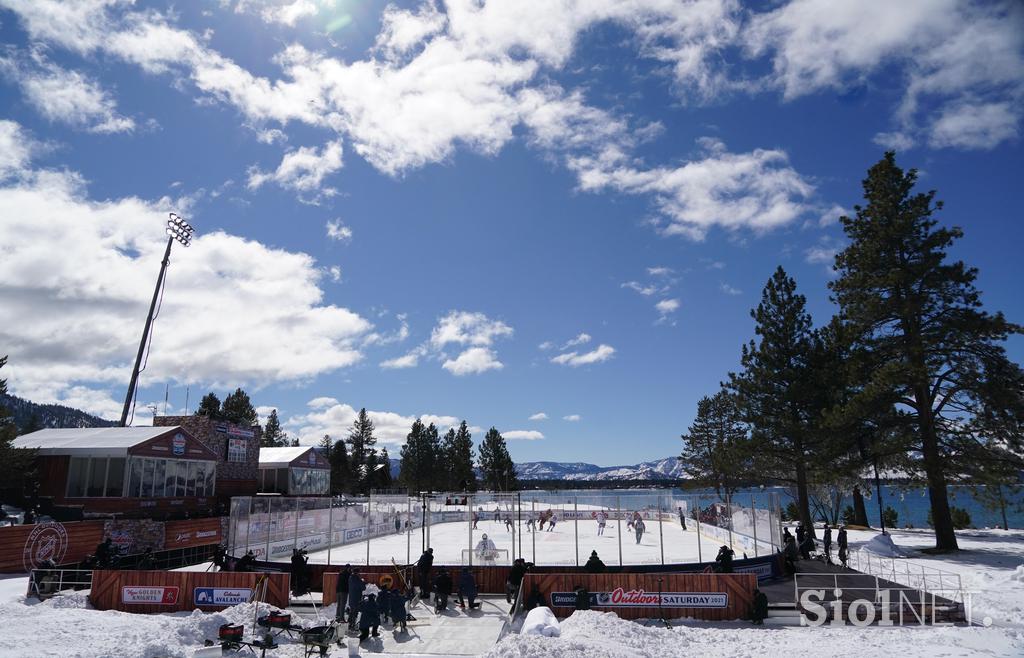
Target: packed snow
991,565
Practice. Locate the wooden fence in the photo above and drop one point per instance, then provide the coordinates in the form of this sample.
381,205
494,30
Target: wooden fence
710,597
25,547
174,591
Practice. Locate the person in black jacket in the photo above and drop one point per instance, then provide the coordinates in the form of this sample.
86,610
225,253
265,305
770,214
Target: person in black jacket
467,589
843,546
594,564
341,592
724,560
246,562
759,608
582,598
806,546
103,553
423,566
369,618
442,590
515,578
299,579
219,554
356,585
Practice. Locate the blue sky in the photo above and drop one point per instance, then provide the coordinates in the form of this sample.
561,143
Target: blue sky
495,212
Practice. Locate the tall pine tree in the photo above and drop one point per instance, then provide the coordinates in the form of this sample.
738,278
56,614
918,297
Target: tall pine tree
15,463
919,316
496,466
238,409
458,456
272,434
775,391
362,452
209,405
341,473
717,450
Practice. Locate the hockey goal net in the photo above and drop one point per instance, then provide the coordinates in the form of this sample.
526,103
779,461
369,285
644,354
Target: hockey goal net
485,557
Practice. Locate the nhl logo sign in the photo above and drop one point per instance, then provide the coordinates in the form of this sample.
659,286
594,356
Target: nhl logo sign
47,541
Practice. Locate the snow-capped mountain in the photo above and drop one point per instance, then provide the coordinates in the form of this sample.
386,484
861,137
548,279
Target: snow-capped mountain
662,469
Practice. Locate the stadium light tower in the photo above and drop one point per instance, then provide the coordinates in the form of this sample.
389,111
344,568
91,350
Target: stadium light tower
180,230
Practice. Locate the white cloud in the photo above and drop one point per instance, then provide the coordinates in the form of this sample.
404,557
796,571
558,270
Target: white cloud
410,360
336,230
329,416
950,52
540,415
832,215
820,255
894,141
79,277
473,361
667,306
335,272
573,418
974,125
546,345
646,291
581,339
757,190
466,328
302,170
729,290
65,96
660,271
522,435
600,354
16,148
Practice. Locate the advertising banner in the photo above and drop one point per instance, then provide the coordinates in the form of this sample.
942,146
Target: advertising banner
220,596
620,597
166,595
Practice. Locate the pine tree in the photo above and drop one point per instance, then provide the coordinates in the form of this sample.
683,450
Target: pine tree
919,316
209,405
32,425
775,391
361,451
341,473
327,445
384,480
496,466
460,460
717,450
237,408
16,464
432,459
272,434
412,472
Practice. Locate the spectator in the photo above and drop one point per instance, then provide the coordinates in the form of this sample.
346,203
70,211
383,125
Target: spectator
341,592
355,596
724,560
369,618
594,564
442,590
467,589
759,608
423,566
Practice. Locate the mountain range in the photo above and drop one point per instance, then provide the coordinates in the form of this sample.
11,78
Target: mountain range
662,469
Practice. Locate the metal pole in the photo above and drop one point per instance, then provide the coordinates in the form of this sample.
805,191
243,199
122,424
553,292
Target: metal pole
519,520
753,513
469,522
267,555
330,528
295,541
878,494
145,333
513,553
367,533
408,530
618,521
576,525
700,557
248,526
533,535
728,509
661,539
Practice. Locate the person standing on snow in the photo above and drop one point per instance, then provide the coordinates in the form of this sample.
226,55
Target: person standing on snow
841,539
423,566
639,526
827,541
355,597
602,519
341,592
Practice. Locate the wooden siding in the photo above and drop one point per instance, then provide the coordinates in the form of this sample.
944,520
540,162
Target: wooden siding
192,532
107,587
23,547
739,588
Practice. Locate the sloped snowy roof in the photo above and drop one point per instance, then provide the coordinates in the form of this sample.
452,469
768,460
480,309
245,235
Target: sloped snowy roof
93,441
281,457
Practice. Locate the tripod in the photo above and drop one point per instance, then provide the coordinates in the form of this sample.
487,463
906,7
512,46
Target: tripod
661,613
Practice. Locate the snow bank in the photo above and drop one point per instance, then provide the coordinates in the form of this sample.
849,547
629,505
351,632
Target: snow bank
541,621
884,545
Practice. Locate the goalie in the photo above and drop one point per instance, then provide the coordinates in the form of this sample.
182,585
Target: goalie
485,548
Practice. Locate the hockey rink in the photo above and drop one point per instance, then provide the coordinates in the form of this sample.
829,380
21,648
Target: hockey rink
554,547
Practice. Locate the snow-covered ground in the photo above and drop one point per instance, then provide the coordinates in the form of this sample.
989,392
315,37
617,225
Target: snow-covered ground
556,547
992,562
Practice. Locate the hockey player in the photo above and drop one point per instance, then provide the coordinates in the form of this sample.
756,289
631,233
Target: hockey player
508,523
602,519
552,521
485,548
639,527
531,524
682,518
476,519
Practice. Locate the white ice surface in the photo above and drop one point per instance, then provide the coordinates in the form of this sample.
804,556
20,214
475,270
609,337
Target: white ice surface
542,547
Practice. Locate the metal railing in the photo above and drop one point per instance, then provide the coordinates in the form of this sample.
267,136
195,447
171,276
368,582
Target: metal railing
46,583
912,575
917,604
